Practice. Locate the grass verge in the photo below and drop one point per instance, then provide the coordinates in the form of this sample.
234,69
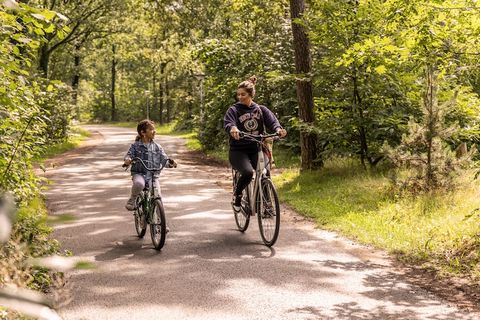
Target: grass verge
76,136
436,231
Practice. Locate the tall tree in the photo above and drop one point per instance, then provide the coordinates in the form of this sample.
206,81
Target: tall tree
84,18
303,66
112,88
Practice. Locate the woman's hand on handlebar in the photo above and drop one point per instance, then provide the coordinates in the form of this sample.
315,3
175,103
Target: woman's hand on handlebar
235,133
281,132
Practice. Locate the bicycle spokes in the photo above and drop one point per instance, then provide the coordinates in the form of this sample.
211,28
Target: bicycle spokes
139,217
242,216
158,224
269,217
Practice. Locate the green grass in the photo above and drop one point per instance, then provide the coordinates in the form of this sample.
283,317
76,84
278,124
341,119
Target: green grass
77,135
192,141
432,230
285,158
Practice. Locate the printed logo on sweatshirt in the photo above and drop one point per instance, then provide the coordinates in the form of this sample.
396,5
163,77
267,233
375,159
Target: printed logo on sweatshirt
248,115
251,124
249,120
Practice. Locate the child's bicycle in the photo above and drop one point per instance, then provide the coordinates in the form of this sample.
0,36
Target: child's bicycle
260,196
149,208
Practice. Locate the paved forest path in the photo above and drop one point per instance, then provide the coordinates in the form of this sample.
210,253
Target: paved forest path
207,269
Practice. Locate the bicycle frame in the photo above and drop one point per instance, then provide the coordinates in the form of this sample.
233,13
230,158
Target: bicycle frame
148,195
253,188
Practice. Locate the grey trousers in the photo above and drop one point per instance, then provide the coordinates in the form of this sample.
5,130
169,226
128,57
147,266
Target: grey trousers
138,183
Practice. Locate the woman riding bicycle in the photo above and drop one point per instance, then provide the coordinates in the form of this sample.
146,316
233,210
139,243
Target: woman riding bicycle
247,116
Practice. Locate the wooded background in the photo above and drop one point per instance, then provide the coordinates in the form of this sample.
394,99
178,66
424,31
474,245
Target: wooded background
376,80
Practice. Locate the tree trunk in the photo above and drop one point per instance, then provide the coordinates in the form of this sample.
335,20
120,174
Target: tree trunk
161,92
44,59
76,79
430,100
112,91
303,66
168,101
362,132
155,96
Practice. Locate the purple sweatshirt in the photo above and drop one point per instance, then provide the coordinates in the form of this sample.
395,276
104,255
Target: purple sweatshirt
255,119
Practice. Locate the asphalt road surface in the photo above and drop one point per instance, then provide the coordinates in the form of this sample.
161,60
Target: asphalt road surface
207,269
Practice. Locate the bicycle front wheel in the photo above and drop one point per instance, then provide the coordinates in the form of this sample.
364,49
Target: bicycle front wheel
158,225
269,213
139,217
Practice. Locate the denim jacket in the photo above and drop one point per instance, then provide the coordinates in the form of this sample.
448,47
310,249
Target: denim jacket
139,149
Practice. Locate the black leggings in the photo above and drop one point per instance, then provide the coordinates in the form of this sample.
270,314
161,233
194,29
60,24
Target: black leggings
245,163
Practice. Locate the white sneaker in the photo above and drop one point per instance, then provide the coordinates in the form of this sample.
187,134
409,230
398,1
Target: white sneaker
130,206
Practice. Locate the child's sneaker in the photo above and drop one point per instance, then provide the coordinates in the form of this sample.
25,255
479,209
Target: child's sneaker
130,206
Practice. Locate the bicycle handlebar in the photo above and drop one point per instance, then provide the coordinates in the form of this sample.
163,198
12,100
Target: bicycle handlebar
257,137
171,162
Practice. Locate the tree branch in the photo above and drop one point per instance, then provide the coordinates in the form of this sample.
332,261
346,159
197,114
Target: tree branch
72,36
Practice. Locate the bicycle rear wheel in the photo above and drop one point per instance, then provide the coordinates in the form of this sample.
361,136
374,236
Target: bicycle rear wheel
269,213
139,217
242,217
158,225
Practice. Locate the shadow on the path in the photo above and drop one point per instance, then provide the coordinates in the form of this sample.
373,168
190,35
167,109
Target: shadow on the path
206,262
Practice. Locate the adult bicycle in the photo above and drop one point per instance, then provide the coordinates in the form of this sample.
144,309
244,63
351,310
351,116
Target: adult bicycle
259,197
149,208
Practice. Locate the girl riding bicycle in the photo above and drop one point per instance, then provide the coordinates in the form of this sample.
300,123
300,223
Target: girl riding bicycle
247,116
148,150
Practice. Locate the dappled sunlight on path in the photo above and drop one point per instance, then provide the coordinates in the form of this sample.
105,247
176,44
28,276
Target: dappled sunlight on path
207,269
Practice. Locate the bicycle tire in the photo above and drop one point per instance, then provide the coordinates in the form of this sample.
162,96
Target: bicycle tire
269,219
139,218
158,225
242,217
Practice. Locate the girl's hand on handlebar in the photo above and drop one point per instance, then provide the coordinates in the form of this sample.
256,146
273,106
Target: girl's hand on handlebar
281,132
171,163
235,133
127,162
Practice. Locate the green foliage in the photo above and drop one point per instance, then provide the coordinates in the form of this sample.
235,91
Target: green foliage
75,136
367,61
363,93
370,60
440,53
241,52
29,239
34,112
56,104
